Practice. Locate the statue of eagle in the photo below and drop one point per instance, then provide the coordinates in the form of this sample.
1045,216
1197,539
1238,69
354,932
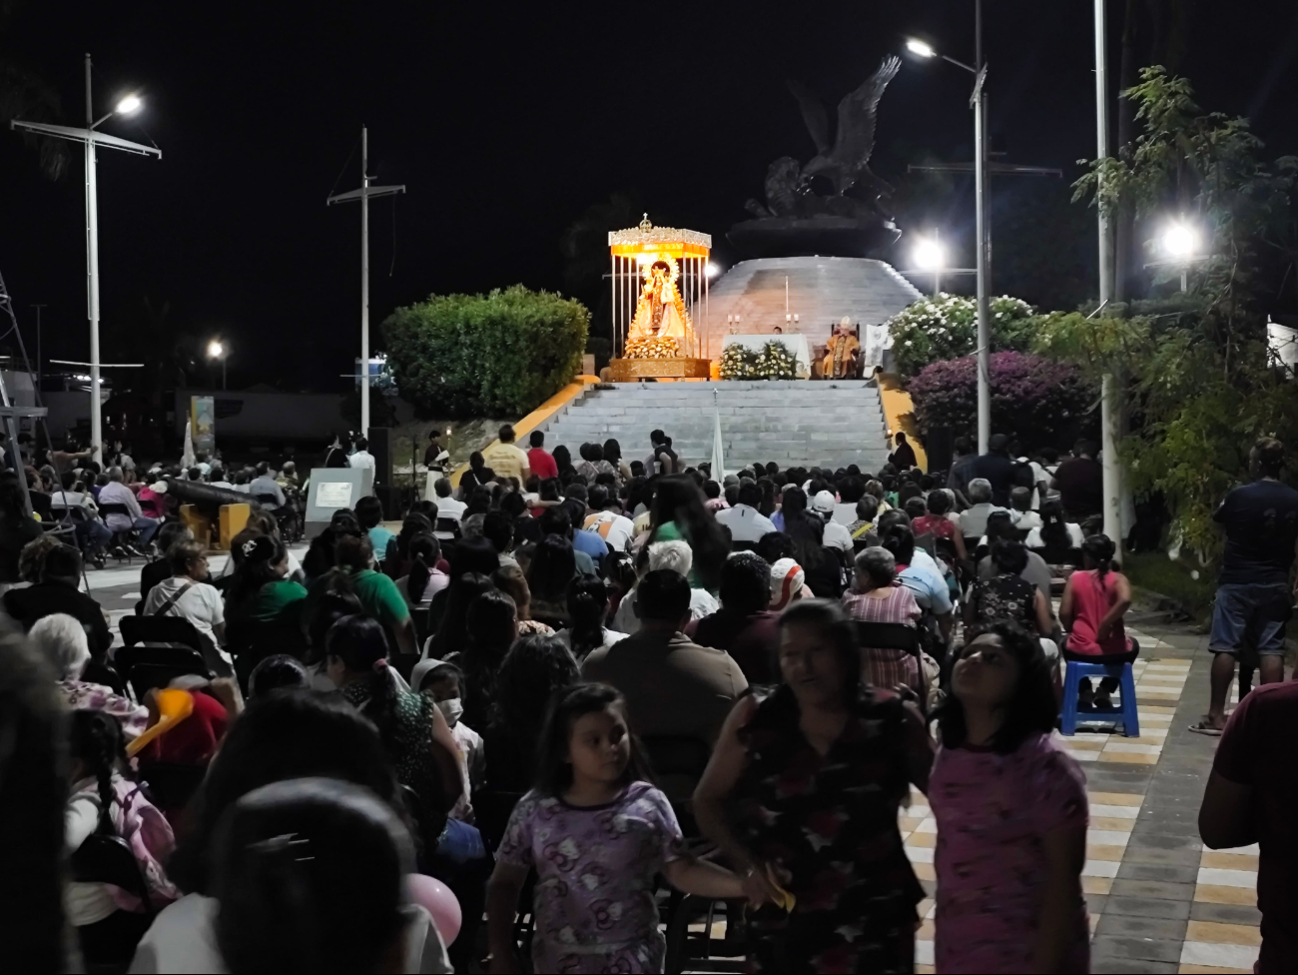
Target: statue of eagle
845,164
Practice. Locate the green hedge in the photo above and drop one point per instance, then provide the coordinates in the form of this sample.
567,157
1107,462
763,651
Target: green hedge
498,354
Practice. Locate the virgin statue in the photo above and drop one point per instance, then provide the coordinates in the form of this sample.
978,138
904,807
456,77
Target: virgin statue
660,312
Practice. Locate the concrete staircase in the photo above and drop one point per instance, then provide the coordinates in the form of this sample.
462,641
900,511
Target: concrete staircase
789,422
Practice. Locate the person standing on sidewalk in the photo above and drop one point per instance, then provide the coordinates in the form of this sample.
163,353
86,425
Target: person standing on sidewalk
1254,599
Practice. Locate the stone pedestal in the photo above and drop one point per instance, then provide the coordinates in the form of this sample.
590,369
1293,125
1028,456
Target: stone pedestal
631,370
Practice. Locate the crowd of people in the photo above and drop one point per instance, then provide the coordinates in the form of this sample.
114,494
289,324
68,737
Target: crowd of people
585,683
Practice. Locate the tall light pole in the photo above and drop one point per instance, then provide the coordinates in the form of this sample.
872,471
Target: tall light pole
1109,411
978,102
90,138
216,349
364,194
38,345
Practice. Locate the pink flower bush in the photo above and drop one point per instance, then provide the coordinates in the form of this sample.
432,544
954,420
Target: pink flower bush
1036,400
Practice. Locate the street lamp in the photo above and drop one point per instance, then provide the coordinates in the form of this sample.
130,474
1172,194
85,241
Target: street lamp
978,102
712,270
930,255
1180,241
217,350
90,138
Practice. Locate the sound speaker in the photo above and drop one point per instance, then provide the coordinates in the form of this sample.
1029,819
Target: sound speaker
380,439
939,445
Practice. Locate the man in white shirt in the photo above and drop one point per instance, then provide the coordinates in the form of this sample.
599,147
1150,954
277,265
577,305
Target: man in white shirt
607,521
745,522
507,459
836,535
362,457
115,492
447,507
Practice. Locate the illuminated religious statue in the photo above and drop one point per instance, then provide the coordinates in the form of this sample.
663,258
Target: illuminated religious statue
660,312
841,352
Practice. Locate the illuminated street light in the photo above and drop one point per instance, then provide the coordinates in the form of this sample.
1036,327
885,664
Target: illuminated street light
216,350
712,270
92,139
930,255
919,48
1180,240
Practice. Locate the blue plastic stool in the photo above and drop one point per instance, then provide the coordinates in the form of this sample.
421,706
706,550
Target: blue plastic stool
1126,687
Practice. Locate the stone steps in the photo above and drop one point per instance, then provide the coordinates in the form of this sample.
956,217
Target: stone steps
788,422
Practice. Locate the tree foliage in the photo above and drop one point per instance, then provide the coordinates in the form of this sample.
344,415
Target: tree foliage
1198,381
497,354
946,327
1036,400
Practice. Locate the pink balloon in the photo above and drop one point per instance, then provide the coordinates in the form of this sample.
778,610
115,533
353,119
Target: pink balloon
436,898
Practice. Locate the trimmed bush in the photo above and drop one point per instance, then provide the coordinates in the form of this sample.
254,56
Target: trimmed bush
946,327
498,354
1038,401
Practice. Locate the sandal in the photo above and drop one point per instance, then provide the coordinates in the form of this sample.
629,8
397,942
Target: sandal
1202,727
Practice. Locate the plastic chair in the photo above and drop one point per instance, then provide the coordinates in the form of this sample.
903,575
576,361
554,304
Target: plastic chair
124,540
1126,712
148,667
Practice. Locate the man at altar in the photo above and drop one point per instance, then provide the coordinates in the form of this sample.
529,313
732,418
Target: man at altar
841,352
660,312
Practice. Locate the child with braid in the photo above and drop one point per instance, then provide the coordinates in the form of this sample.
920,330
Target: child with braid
109,921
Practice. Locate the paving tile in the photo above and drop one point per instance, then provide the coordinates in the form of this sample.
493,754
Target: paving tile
1119,966
1219,933
1212,894
1226,913
1129,925
1100,868
1229,861
1115,798
1126,758
1096,885
1153,888
1219,955
1149,907
1110,948
1180,858
1212,970
1228,878
1149,839
1174,873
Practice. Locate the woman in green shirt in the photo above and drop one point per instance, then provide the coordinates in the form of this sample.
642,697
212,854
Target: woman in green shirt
679,515
260,589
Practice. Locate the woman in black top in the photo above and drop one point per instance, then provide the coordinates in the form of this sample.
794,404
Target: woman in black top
17,527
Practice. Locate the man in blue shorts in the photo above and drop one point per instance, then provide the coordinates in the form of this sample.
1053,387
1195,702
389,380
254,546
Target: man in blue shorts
1254,598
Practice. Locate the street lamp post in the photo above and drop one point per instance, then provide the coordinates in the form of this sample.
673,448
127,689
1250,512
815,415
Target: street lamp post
90,138
365,194
216,349
1111,473
978,102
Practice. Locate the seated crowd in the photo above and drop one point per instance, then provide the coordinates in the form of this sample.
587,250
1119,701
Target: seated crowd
544,639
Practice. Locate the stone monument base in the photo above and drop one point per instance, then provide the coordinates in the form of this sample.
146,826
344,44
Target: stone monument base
630,370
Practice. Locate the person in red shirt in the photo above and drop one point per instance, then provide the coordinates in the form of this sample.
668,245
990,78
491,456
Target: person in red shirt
540,462
1250,799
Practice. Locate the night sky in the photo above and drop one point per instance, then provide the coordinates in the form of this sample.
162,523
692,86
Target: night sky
506,122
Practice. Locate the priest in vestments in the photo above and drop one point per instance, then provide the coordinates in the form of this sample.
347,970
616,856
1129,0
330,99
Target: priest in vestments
840,353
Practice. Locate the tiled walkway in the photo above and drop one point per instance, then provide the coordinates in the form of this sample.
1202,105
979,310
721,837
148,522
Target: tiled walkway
1159,902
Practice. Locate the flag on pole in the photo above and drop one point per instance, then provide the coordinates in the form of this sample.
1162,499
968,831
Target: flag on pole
718,458
187,457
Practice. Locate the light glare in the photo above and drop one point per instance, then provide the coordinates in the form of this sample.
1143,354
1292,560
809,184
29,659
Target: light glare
929,255
920,48
215,349
1180,240
712,270
129,104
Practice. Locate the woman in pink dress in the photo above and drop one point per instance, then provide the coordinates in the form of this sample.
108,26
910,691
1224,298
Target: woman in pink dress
1094,602
1011,814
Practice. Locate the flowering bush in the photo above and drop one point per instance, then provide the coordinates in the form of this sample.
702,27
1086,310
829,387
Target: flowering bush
1038,401
946,327
777,362
740,362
